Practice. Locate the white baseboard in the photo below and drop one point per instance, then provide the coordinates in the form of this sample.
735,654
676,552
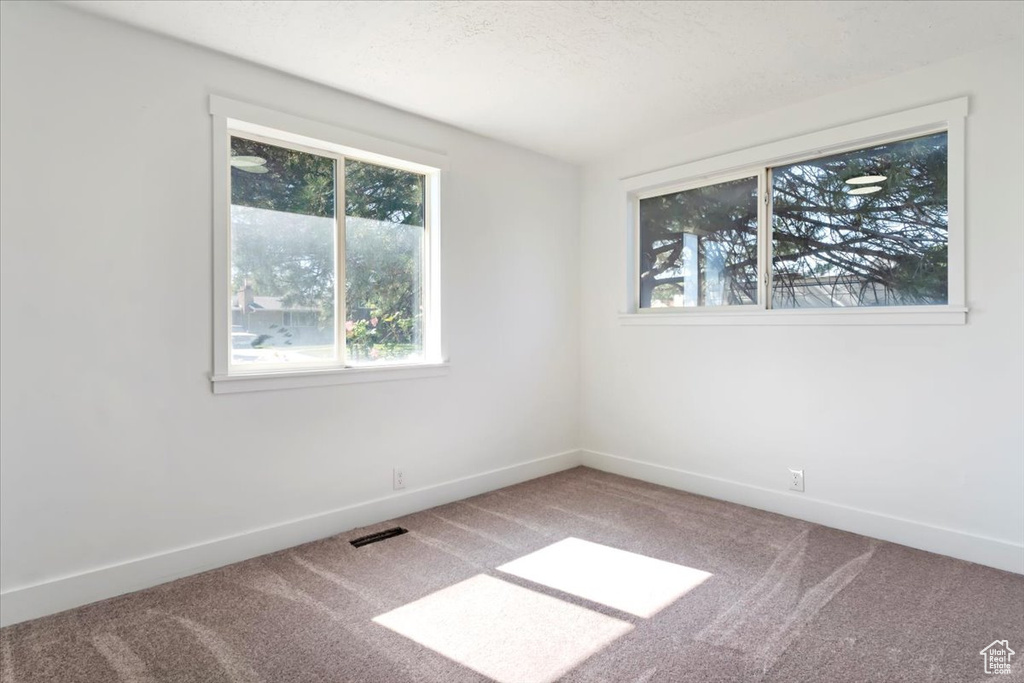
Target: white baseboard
62,593
973,548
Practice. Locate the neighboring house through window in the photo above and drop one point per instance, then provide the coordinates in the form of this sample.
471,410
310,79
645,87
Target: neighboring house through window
331,252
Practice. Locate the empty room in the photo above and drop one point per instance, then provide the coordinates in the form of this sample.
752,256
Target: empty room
511,341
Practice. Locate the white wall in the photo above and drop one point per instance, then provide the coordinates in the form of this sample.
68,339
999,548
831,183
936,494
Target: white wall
114,447
900,429
116,455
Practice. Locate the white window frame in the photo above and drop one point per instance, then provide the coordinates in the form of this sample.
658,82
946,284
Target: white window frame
231,117
949,117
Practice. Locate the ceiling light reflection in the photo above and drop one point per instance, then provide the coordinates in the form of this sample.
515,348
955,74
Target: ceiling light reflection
864,190
865,179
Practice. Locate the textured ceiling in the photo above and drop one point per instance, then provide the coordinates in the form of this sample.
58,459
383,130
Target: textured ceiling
578,80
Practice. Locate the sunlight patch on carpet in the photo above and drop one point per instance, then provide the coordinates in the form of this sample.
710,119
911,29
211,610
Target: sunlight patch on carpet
632,583
503,631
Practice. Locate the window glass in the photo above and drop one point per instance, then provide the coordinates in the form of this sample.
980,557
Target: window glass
283,255
863,228
384,257
699,247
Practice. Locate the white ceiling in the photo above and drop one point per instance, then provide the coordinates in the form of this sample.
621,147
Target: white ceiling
578,80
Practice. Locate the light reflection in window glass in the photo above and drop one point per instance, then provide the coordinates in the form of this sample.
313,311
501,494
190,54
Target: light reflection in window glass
699,247
283,255
863,228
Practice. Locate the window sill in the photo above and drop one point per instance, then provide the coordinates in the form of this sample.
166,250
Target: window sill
903,315
298,379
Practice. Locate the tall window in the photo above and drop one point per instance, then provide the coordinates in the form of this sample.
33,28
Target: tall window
291,251
326,254
861,228
384,252
284,240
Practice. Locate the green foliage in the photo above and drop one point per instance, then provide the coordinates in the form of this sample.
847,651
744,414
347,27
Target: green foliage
295,182
383,260
293,257
383,194
383,284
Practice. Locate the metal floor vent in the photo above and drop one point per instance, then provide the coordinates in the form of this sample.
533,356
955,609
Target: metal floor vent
379,536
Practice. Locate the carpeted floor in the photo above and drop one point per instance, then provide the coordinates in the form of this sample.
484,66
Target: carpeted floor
706,591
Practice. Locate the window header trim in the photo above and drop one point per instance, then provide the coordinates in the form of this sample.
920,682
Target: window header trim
949,117
251,118
932,118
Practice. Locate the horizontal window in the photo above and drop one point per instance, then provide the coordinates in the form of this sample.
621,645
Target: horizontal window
865,227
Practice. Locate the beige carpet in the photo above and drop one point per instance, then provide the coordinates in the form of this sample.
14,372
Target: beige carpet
578,576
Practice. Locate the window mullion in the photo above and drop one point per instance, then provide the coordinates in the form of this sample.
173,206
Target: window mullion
766,237
636,284
427,274
762,258
340,290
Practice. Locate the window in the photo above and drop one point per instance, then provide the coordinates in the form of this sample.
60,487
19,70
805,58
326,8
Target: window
330,255
864,228
283,255
285,259
873,227
699,246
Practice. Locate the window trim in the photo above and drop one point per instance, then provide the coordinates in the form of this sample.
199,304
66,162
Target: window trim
277,128
948,117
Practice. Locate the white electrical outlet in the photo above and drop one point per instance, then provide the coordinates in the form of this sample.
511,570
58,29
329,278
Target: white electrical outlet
796,480
399,478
